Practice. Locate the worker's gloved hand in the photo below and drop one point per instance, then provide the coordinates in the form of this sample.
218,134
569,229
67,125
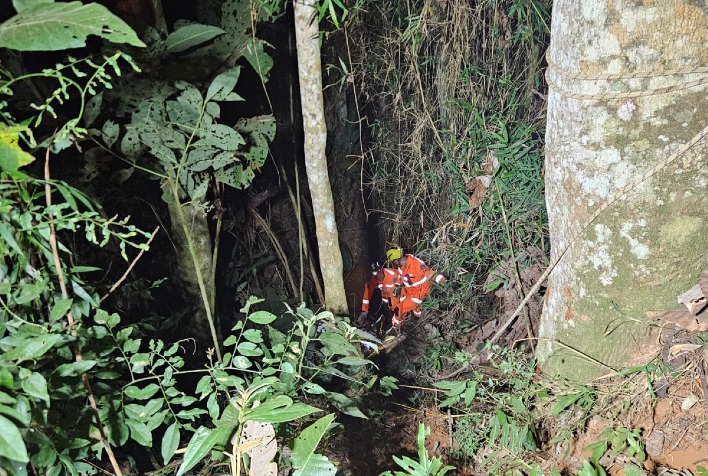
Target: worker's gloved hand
362,318
397,291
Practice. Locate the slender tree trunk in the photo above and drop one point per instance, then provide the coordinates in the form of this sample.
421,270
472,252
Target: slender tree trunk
627,112
310,72
194,264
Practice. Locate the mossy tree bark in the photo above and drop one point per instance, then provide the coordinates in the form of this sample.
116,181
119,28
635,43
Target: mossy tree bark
190,234
310,73
627,96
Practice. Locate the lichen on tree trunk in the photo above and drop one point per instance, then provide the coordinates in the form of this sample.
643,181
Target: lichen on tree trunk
627,90
187,264
310,72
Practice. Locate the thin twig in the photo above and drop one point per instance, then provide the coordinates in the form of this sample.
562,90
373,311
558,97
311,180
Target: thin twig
132,265
78,357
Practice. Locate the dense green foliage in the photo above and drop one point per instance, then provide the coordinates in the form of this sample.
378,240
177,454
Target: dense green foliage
61,346
457,167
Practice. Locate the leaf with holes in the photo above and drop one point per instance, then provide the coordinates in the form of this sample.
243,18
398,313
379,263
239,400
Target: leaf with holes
258,441
60,26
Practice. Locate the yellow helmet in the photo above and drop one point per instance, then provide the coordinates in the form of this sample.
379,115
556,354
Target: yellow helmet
394,253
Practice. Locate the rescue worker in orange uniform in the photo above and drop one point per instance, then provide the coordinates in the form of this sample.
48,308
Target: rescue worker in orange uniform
417,279
371,299
390,287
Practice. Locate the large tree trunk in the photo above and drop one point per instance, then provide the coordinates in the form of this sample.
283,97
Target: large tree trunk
310,72
627,109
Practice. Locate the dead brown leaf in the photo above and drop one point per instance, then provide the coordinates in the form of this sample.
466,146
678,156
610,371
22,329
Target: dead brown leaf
681,318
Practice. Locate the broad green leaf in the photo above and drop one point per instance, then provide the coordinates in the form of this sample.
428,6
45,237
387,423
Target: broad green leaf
8,237
223,85
305,461
140,360
12,413
213,406
204,385
32,348
190,36
241,362
75,368
170,442
36,386
81,293
140,432
345,404
131,145
249,349
337,344
21,5
131,345
23,407
60,309
230,417
143,412
29,292
313,388
253,335
12,445
564,401
289,413
261,130
61,26
199,160
142,393
355,361
261,125
12,156
453,388
262,317
6,380
191,413
202,442
259,60
250,302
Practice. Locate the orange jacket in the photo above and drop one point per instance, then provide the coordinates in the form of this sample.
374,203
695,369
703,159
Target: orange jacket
391,279
418,279
373,283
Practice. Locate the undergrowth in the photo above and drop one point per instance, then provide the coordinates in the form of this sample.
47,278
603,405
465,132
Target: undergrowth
456,168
